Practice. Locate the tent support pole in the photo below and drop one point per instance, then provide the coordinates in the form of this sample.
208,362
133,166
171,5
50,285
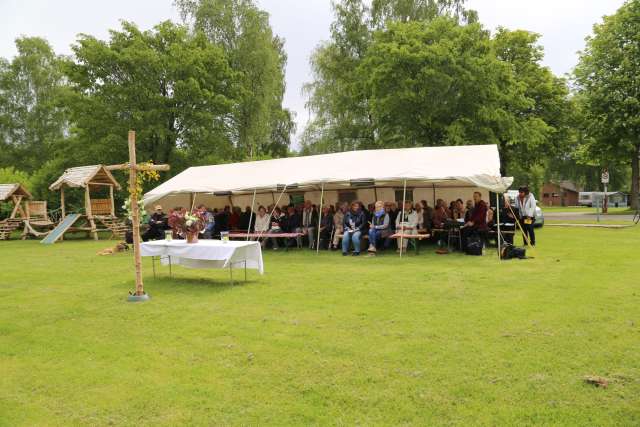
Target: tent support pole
434,196
253,202
194,196
404,199
320,219
499,233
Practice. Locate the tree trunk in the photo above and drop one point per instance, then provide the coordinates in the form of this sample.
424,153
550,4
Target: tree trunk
635,177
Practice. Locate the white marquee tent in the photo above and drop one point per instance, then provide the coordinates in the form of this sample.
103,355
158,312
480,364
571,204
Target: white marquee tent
436,168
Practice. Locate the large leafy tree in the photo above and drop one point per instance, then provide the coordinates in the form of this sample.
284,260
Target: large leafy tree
340,107
175,88
438,82
608,83
261,125
31,116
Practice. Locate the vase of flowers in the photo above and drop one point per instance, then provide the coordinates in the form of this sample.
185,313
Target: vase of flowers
187,224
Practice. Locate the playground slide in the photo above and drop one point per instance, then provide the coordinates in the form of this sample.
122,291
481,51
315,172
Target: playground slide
57,232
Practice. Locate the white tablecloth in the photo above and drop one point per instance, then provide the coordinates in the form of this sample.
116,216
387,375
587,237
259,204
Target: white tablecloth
206,253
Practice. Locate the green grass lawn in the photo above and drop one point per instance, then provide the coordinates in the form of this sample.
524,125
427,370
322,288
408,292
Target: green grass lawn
325,340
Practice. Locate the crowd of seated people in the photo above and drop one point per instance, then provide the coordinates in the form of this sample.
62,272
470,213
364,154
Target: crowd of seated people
346,226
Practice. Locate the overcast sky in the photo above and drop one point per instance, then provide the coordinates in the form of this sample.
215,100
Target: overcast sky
563,25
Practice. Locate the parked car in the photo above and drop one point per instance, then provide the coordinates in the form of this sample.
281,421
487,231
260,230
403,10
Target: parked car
512,194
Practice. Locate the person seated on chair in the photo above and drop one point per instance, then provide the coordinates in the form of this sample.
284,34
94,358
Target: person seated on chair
309,223
427,213
326,227
209,222
234,218
477,222
420,227
338,224
392,210
406,223
459,210
262,223
275,226
353,224
293,225
158,224
468,209
378,227
440,214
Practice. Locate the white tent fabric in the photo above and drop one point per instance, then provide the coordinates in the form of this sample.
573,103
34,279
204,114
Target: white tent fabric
477,165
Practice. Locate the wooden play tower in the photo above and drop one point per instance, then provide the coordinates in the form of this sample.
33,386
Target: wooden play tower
97,211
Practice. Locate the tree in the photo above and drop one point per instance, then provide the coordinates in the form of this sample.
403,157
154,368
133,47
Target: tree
545,119
608,84
340,107
257,56
31,117
176,89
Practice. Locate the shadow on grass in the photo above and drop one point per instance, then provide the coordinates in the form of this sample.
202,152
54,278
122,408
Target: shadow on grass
178,284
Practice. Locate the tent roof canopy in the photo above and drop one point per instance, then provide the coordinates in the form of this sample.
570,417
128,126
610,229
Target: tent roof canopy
455,166
8,190
82,176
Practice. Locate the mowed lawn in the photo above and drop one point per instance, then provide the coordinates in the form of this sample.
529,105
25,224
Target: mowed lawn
325,340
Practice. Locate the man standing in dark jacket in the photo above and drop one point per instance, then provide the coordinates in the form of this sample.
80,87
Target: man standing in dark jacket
354,223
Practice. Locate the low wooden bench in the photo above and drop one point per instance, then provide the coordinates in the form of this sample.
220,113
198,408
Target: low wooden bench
412,238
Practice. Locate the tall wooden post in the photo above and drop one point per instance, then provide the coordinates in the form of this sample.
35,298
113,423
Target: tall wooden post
89,212
62,206
113,207
133,169
135,216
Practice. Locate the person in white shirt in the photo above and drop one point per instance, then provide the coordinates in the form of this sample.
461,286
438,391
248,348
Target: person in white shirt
262,223
407,223
526,206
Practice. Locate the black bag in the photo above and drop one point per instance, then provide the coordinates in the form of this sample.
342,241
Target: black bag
474,246
128,237
511,252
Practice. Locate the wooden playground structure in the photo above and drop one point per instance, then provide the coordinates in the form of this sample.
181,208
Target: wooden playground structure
99,214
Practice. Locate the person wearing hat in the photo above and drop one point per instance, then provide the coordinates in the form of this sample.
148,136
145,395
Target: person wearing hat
157,225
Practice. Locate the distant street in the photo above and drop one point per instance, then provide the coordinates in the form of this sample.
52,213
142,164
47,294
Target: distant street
586,216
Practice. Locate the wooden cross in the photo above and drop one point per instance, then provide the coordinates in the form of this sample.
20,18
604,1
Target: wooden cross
133,168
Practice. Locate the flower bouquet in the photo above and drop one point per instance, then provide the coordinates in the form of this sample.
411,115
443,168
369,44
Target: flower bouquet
187,224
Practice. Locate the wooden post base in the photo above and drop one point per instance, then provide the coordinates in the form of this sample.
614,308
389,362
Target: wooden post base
139,298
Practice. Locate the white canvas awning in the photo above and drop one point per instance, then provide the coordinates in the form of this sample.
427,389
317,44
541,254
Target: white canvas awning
476,166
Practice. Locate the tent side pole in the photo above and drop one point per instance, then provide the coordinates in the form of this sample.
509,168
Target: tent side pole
499,233
434,196
253,203
320,219
404,198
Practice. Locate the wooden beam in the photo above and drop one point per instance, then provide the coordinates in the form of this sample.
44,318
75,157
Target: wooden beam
141,167
113,205
62,207
17,201
87,203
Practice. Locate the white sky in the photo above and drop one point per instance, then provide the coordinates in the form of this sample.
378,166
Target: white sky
563,25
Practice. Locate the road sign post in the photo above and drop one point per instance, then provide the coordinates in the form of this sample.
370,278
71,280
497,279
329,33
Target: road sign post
605,200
